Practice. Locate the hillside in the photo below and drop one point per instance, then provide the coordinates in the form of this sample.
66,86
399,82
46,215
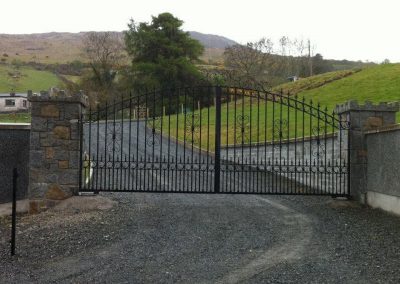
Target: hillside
23,78
67,47
212,41
309,83
376,84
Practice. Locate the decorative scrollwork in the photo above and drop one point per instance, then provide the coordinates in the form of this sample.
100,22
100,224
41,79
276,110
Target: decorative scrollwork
344,125
241,130
192,128
114,138
280,131
152,138
318,145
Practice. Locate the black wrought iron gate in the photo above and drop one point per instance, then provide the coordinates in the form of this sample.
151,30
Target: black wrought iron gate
214,140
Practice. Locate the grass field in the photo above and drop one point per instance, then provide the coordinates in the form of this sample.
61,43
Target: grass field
375,84
313,82
15,117
25,78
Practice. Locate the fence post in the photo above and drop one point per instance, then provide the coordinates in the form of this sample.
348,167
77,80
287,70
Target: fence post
14,211
55,141
217,140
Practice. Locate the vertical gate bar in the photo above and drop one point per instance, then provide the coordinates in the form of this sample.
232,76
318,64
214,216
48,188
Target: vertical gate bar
273,144
318,154
200,146
267,180
121,185
14,211
280,141
325,147
184,137
80,122
234,141
258,140
87,167
138,177
242,139
303,158
250,149
217,140
348,188
177,186
332,165
318,145
145,175
311,163
105,148
209,94
113,149
340,156
162,114
153,138
169,138
97,149
192,162
289,174
130,142
227,162
295,144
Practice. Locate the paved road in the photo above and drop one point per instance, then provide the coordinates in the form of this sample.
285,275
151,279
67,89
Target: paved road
131,157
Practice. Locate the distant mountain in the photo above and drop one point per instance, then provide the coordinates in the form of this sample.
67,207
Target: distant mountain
212,41
66,47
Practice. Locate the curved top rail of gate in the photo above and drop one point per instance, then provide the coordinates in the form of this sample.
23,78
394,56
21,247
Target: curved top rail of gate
290,101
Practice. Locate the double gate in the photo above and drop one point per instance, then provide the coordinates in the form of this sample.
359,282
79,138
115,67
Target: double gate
214,140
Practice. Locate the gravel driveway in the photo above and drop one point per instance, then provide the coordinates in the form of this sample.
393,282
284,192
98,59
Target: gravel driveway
183,238
204,238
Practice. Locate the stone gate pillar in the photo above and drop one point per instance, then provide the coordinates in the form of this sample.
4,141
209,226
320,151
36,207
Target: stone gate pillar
54,148
362,118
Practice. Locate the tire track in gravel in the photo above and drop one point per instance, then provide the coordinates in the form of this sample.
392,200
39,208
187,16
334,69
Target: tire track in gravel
291,248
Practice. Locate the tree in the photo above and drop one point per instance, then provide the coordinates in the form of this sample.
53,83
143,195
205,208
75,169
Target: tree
249,65
163,55
320,65
261,66
105,53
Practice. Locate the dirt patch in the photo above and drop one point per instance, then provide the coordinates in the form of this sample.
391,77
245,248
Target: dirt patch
343,203
84,204
22,207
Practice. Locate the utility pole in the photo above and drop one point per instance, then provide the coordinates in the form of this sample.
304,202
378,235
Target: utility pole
310,66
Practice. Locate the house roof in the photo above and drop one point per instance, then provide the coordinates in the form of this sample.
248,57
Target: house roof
15,96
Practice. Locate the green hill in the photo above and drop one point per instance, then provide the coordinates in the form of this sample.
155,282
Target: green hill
376,84
309,83
20,79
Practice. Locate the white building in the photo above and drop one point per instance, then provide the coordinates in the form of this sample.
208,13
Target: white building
13,103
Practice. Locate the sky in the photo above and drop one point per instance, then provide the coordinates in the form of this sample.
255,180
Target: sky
367,30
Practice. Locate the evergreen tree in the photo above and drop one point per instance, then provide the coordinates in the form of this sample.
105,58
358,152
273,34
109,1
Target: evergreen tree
163,55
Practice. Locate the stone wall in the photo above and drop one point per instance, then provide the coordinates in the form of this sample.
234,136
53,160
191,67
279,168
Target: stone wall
383,170
14,153
383,156
54,148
